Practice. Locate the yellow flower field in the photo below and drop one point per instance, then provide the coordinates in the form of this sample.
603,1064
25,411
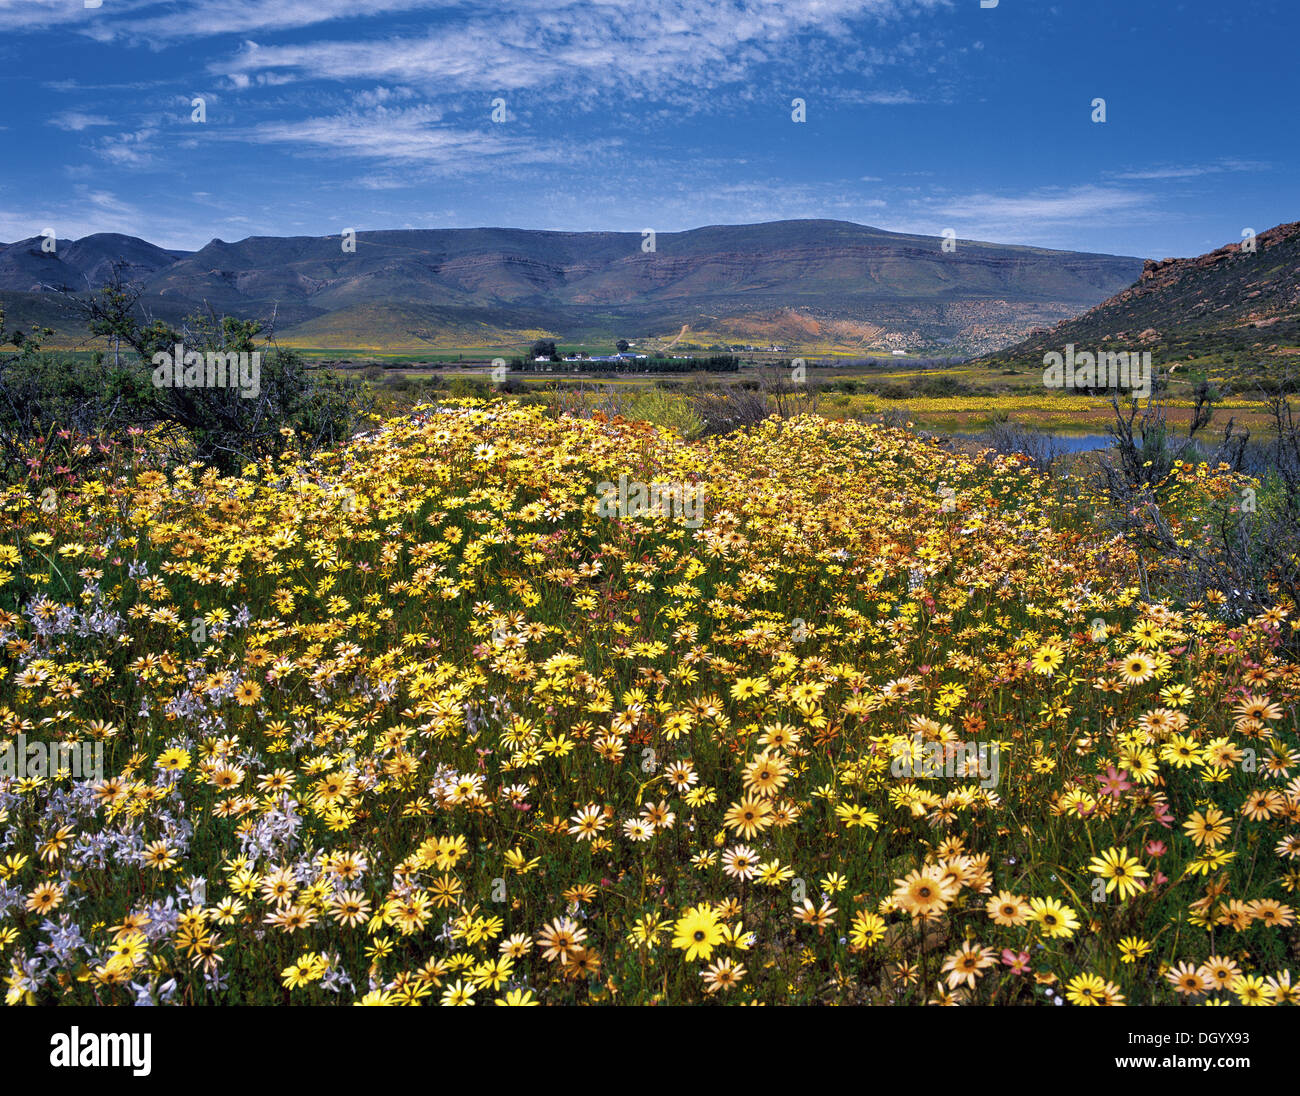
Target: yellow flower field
442,718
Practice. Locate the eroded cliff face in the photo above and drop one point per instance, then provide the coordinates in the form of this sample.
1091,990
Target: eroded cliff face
1159,273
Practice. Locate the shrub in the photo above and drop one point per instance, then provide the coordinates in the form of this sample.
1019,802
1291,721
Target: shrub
42,393
668,410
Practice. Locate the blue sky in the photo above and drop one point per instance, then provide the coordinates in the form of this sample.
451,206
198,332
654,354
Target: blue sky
922,115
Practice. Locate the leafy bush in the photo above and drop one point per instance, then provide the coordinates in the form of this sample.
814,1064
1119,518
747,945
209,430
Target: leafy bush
670,411
41,392
469,386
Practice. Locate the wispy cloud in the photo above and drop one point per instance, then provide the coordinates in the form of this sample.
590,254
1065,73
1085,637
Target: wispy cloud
133,149
74,121
20,15
880,98
412,136
618,113
91,210
1033,216
627,46
163,20
218,17
1192,171
714,23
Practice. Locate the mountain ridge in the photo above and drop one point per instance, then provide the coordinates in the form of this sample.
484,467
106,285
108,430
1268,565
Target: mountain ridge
486,282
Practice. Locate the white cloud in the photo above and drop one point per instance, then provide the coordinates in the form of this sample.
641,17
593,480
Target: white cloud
880,98
88,211
1192,171
636,49
378,96
75,121
16,15
1031,217
131,150
413,136
209,18
716,22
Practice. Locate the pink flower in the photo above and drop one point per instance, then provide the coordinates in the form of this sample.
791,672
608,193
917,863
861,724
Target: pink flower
1018,961
1156,848
1113,782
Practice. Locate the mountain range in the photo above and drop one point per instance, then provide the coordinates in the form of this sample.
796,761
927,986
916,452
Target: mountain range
804,284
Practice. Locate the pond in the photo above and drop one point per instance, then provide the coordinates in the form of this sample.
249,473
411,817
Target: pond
1065,443
1082,443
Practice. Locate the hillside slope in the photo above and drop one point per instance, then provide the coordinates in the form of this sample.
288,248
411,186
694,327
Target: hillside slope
1233,312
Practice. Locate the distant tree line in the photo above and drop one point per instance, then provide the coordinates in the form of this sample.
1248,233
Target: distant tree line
718,363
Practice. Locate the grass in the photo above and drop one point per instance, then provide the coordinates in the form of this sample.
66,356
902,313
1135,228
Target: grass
854,392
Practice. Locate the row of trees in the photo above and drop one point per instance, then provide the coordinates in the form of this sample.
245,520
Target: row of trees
720,363
545,348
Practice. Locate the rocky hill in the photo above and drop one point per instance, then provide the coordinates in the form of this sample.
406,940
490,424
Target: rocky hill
1234,312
